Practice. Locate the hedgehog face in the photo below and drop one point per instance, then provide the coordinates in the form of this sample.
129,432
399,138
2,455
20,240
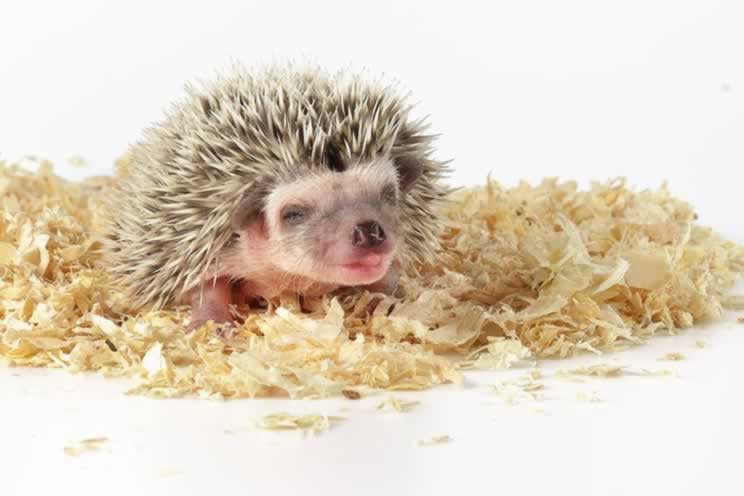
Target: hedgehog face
336,226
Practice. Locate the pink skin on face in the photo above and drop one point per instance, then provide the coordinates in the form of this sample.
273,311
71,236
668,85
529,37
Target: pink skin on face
351,241
353,250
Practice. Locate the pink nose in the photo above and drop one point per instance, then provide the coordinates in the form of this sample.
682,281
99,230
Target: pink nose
367,234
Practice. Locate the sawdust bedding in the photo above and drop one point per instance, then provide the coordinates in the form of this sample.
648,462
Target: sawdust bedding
524,273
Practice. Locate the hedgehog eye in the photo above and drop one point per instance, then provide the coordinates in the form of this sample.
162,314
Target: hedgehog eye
294,214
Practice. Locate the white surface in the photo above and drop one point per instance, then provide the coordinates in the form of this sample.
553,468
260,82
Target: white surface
648,435
582,90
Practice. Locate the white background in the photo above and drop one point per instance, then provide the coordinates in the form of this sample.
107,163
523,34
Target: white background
649,90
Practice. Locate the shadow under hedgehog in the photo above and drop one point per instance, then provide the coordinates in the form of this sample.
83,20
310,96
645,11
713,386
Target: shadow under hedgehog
283,179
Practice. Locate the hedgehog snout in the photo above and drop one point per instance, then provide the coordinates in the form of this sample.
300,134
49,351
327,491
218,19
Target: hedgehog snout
368,234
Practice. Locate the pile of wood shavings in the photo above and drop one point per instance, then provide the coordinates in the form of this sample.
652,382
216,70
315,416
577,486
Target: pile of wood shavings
525,273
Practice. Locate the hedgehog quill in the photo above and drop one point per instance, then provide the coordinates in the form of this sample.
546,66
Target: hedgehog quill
282,180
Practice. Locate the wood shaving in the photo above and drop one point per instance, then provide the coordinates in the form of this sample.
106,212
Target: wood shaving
594,370
77,161
734,302
85,446
514,391
523,273
499,353
588,397
535,374
396,405
282,421
650,372
673,357
701,344
433,441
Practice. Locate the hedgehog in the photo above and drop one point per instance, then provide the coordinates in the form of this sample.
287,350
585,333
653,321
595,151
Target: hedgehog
271,181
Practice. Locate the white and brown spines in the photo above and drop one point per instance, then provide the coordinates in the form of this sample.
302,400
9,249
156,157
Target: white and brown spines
170,218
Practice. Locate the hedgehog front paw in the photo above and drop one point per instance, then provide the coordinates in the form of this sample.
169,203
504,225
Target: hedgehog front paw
211,301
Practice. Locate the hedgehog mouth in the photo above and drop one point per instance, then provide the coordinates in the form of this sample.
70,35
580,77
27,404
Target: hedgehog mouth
366,269
373,260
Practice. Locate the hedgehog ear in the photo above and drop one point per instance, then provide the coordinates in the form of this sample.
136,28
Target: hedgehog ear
249,208
409,170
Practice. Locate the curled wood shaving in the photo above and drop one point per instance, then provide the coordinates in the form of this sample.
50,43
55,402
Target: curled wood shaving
499,353
650,372
673,357
435,440
588,397
594,370
535,374
85,446
512,392
397,405
312,423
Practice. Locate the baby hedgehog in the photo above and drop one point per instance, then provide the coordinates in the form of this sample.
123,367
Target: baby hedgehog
282,180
